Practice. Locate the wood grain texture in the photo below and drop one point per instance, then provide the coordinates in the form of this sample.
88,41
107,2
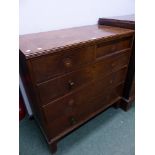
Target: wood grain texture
74,75
127,21
47,42
66,61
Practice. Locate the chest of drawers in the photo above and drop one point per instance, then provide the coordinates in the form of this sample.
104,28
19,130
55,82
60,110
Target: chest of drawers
73,74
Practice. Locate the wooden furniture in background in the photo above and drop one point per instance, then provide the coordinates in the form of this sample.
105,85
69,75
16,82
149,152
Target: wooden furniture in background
74,74
127,21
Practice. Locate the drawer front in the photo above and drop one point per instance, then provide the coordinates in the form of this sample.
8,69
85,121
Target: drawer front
111,64
109,81
101,101
64,84
66,111
105,48
48,66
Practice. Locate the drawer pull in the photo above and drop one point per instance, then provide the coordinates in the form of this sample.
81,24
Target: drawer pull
68,62
71,102
72,120
111,81
71,84
113,48
113,64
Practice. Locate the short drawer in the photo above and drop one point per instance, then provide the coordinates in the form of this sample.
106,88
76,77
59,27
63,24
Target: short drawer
48,66
103,100
60,86
104,48
111,80
111,63
58,114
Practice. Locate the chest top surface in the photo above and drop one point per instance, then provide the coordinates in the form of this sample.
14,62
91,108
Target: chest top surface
35,44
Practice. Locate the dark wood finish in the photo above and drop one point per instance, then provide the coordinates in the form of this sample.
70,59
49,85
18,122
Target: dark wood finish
111,46
60,86
53,146
76,105
57,87
111,63
129,88
74,74
34,45
127,21
66,61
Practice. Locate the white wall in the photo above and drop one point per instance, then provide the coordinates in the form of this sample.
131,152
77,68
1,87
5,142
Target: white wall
44,15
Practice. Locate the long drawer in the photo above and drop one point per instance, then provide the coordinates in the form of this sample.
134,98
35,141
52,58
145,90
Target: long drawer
59,112
51,65
62,85
75,114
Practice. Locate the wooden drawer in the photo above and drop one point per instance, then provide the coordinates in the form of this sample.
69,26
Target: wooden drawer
102,100
58,113
111,63
104,48
60,86
77,112
51,65
64,84
109,81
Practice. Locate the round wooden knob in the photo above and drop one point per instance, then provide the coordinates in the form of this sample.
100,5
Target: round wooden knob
111,81
71,102
71,84
113,64
72,120
68,62
113,48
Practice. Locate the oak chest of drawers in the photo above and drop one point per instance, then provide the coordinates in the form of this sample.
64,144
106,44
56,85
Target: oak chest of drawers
72,75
